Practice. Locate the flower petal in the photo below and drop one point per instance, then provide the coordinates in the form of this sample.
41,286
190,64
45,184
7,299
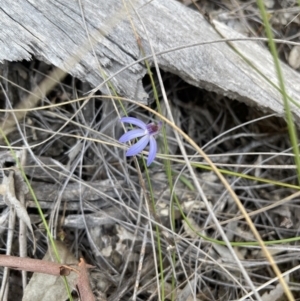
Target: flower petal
138,147
132,134
152,150
134,121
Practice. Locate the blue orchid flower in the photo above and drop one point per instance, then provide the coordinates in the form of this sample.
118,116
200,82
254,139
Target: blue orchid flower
147,132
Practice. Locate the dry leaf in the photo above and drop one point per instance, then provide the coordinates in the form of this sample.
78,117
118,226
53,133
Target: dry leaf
294,57
11,200
51,288
276,293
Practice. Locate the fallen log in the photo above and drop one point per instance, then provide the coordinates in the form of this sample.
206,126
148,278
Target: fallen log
69,36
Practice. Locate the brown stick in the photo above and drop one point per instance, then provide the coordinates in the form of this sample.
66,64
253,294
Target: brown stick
83,283
34,265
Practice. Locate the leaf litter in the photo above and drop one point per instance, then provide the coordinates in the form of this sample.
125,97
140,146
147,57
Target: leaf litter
101,204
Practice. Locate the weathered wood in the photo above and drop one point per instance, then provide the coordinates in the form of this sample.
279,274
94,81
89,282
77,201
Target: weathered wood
54,30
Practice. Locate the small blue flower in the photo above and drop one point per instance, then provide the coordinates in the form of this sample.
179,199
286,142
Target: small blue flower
147,132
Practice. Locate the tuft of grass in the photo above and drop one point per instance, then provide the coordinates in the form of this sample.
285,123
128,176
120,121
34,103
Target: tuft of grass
40,211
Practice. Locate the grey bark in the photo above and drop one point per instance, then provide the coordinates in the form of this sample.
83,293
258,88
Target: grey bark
54,31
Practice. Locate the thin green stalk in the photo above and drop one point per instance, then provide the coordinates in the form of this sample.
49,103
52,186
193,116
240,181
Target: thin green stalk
288,114
167,168
40,211
159,249
248,177
235,243
111,87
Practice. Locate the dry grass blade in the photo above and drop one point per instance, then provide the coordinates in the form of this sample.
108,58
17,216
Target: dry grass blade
11,183
94,198
8,125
